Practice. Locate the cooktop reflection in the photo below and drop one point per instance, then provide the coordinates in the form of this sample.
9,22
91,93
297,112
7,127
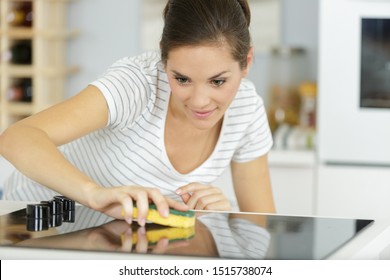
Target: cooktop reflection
215,235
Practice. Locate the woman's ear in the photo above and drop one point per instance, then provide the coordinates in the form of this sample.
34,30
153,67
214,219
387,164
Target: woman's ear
249,63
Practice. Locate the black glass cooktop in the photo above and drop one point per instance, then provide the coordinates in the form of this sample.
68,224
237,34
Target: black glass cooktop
215,235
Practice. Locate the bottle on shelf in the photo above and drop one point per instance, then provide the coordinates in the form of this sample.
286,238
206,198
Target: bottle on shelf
308,93
287,68
20,53
20,91
21,15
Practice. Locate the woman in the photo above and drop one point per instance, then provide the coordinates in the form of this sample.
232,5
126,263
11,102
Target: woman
156,127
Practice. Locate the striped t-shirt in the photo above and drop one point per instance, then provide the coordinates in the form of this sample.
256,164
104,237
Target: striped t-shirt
130,150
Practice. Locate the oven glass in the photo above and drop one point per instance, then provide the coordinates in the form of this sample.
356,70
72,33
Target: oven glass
375,63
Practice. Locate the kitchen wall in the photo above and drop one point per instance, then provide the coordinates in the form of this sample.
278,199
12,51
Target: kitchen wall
113,29
297,27
109,30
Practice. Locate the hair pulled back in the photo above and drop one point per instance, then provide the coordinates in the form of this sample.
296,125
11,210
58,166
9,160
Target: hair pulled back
207,22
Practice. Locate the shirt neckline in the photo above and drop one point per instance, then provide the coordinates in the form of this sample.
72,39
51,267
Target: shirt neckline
164,151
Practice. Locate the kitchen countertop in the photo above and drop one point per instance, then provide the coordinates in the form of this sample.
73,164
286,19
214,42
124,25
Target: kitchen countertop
372,243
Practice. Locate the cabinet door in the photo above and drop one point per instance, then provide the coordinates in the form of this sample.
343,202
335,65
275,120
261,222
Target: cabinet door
292,178
358,192
293,189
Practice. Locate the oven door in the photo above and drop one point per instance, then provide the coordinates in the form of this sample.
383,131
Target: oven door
354,82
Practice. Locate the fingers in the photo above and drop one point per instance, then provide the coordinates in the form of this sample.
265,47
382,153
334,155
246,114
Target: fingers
203,197
160,201
185,197
127,240
143,208
142,196
177,205
118,202
191,188
142,241
204,200
161,246
127,204
141,245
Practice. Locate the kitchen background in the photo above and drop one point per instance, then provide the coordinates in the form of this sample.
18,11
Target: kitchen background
287,40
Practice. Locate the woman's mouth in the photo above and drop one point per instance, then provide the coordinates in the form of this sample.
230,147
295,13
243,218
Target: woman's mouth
202,114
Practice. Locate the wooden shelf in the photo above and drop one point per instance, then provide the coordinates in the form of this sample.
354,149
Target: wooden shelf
17,33
18,71
22,33
29,71
20,108
48,71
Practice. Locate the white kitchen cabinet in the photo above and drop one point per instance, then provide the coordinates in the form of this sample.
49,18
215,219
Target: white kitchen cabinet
292,177
353,191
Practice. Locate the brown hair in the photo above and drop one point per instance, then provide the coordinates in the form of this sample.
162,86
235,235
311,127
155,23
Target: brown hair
199,22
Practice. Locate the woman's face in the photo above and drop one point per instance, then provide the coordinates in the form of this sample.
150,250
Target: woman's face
204,81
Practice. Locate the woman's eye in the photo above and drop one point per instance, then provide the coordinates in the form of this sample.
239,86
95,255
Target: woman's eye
217,83
182,80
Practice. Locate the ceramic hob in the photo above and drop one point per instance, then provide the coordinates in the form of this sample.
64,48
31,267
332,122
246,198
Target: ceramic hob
215,234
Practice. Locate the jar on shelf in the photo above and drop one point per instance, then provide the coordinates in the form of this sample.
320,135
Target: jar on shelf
287,70
308,94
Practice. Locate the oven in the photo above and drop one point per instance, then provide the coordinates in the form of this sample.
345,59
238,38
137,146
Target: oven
354,82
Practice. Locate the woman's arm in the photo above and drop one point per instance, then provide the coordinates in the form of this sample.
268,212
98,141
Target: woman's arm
31,146
252,185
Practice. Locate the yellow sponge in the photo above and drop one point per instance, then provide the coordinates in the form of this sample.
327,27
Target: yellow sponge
178,219
153,235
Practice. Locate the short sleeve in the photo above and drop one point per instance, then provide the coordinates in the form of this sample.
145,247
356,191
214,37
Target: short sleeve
126,90
257,140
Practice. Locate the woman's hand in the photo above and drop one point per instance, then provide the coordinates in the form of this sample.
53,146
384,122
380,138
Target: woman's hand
118,202
142,243
113,236
132,239
203,197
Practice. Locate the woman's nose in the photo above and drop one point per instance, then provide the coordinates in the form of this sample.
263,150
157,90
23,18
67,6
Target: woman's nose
199,98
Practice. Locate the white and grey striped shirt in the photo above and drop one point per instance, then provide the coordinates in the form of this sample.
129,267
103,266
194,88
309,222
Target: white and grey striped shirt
130,150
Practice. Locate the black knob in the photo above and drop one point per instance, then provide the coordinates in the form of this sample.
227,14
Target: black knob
56,206
56,212
38,217
69,208
67,204
38,211
69,216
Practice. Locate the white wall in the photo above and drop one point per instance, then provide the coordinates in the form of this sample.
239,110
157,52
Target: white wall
109,31
299,27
